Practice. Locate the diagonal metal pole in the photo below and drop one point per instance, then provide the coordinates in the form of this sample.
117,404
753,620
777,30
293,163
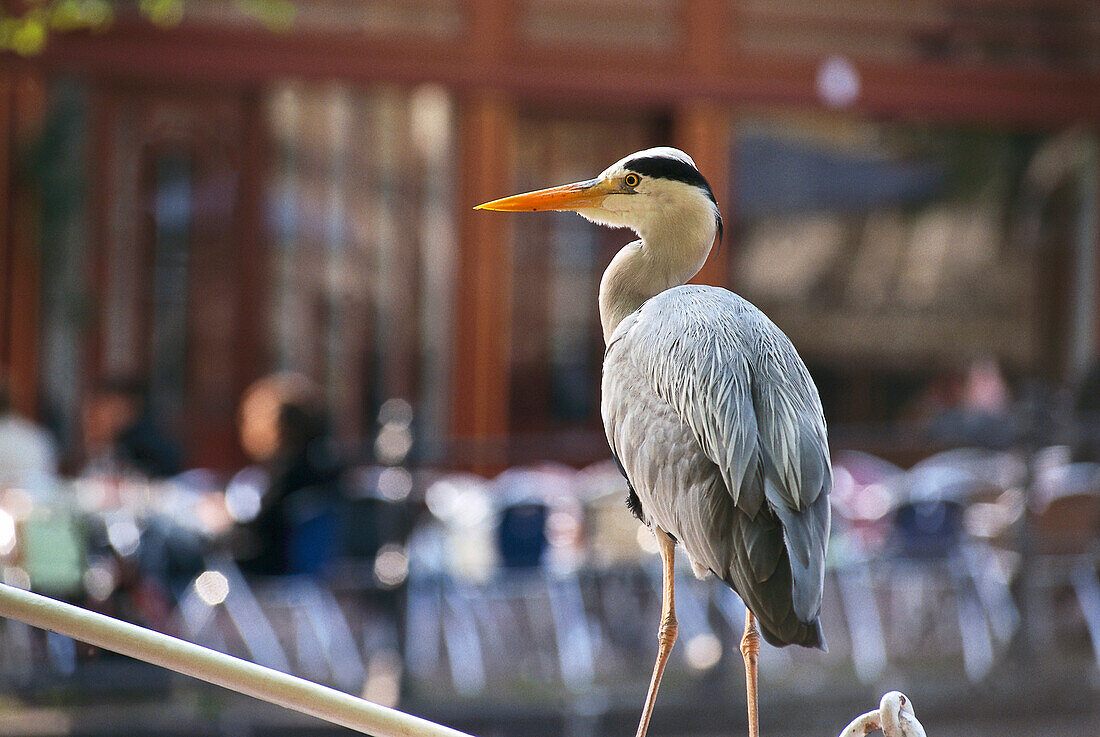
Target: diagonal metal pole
214,667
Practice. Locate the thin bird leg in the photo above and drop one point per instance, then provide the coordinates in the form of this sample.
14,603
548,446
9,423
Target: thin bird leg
750,649
666,635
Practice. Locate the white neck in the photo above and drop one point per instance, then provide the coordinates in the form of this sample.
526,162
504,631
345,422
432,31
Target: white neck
674,245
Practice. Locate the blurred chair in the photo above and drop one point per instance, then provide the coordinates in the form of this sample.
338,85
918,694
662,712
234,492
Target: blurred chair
271,616
928,547
450,551
862,497
984,488
371,574
980,474
623,554
1065,534
375,512
906,530
222,588
979,493
610,531
618,569
521,534
540,573
493,582
317,632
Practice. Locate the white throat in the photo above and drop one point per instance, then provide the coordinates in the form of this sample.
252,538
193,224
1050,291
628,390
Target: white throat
677,225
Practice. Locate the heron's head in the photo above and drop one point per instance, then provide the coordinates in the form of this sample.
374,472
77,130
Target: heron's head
658,192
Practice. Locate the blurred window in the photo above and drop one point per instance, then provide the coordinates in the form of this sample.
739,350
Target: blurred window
557,346
173,203
169,277
61,172
361,218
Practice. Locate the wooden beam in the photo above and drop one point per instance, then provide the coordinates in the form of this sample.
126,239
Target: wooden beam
21,113
482,350
701,125
253,258
933,90
7,252
103,111
492,23
24,301
1090,226
705,48
702,129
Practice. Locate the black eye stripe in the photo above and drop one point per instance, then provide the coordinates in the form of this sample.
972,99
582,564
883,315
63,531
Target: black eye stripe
666,167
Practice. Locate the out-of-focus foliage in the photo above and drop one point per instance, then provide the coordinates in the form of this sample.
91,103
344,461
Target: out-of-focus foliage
25,30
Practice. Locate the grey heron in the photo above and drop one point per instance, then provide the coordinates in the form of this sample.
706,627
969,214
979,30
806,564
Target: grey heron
710,413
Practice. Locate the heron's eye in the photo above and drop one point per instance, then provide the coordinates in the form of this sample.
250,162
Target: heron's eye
631,180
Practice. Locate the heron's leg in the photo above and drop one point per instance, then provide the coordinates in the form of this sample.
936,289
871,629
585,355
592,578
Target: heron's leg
666,635
750,649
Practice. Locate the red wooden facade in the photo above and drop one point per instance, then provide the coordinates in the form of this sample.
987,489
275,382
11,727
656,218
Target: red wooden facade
689,66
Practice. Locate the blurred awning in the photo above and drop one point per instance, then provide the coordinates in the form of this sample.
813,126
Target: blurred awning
777,175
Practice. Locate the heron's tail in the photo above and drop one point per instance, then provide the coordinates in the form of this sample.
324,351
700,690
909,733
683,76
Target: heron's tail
806,635
771,602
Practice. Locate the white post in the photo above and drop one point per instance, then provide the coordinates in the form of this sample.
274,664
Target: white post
214,667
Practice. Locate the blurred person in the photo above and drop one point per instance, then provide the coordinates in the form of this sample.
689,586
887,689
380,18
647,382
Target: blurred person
982,412
938,395
27,452
985,390
283,427
120,432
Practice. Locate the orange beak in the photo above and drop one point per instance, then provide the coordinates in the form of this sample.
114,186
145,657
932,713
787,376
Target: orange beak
576,196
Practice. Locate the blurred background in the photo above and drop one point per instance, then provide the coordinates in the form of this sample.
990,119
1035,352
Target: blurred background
268,383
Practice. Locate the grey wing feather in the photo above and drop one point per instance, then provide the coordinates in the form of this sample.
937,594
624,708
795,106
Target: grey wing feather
700,369
795,452
732,377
